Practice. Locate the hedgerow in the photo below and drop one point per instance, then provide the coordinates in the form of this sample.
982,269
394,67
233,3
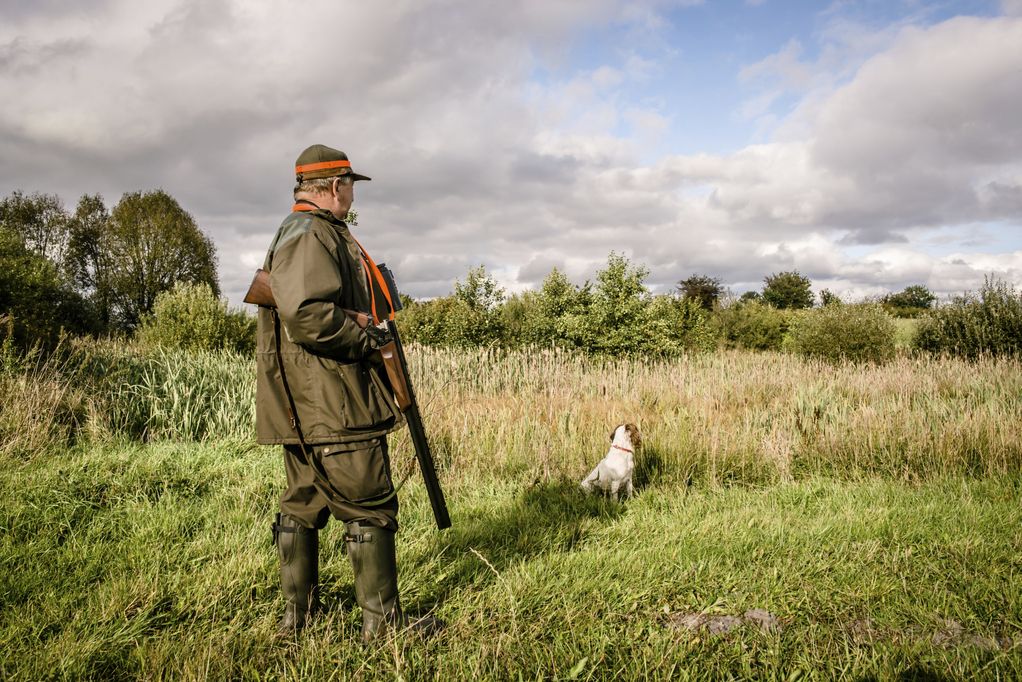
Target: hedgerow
862,332
972,325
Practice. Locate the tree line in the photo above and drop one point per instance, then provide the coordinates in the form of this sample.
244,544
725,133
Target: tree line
95,270
144,268
617,315
792,291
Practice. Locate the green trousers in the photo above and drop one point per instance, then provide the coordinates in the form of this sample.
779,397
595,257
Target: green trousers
340,481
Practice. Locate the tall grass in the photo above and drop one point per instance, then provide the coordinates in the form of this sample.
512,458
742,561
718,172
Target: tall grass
177,395
727,416
730,416
43,406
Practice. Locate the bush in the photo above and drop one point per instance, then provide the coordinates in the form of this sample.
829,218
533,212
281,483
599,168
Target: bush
970,325
788,290
191,317
471,316
860,333
618,316
747,323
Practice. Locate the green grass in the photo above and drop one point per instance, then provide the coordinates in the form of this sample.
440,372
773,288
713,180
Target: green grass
905,329
874,509
150,562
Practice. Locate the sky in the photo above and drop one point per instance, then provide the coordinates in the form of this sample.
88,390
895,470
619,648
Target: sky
869,144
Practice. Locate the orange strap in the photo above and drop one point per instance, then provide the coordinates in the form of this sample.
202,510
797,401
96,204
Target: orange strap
322,165
374,273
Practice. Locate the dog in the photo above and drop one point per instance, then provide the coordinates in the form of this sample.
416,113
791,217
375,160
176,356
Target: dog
615,470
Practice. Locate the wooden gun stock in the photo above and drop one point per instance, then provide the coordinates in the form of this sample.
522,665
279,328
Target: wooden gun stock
398,380
260,294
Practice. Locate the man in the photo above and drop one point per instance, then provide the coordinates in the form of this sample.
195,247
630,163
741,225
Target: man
334,423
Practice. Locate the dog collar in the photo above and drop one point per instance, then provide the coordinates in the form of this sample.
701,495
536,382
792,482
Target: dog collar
620,448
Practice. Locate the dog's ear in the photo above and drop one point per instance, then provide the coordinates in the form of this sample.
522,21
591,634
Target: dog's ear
633,433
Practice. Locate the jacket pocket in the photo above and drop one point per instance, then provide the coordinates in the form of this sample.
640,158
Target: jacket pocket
358,472
354,397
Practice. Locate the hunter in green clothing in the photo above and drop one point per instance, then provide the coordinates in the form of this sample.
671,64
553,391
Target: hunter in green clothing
336,459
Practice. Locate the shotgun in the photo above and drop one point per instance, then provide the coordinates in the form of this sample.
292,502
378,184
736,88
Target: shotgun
415,428
392,356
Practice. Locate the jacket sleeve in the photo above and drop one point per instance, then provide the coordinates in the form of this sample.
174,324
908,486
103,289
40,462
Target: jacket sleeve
306,283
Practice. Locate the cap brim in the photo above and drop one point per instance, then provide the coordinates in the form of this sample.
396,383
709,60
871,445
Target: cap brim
356,176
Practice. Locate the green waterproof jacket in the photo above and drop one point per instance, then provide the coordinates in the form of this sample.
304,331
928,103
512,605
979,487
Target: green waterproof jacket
316,271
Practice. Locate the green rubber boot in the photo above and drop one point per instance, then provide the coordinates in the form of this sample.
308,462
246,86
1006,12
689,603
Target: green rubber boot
298,548
373,561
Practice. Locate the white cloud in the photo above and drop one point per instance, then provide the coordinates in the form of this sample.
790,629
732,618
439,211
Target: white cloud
475,161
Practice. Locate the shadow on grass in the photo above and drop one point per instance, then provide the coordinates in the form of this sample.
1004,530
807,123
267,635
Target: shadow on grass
649,467
544,518
915,673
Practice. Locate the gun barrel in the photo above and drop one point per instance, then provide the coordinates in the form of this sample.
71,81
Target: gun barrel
418,434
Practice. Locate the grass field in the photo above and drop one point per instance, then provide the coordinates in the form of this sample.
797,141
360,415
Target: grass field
874,511
905,330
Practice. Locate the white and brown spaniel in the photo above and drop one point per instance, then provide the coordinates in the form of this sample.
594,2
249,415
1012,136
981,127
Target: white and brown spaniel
615,470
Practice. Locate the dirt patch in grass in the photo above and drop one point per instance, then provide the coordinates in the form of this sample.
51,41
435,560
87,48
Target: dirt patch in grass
718,625
948,634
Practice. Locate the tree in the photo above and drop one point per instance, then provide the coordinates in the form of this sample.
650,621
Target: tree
89,265
475,310
151,243
788,290
39,221
916,296
702,289
36,297
828,297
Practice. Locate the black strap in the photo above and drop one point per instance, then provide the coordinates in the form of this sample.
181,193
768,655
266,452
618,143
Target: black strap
306,201
367,537
292,411
277,528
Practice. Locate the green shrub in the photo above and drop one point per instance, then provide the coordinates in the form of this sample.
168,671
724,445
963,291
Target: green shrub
191,317
860,333
617,316
971,325
471,316
747,323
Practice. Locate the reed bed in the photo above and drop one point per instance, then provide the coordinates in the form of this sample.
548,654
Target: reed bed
730,416
43,406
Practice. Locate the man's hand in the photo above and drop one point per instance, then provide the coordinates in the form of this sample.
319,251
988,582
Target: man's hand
378,335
